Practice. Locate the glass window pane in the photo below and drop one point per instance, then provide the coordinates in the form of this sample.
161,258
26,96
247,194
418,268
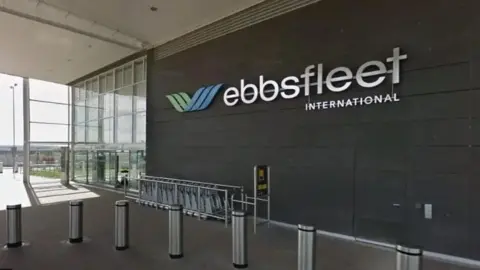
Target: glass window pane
108,130
108,104
48,133
48,112
124,99
140,127
140,97
138,66
101,104
124,129
95,86
88,85
81,160
48,91
80,113
80,92
109,83
118,78
92,131
80,133
128,75
92,106
102,85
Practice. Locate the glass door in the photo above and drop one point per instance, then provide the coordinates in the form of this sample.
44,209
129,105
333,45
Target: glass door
81,165
123,164
110,167
92,167
137,165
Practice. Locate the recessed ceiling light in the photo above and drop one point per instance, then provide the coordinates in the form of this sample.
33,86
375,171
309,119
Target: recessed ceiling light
152,8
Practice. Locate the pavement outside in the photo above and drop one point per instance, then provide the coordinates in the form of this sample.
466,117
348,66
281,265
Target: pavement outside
207,244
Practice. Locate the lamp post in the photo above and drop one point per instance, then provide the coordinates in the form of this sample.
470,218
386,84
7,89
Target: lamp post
14,148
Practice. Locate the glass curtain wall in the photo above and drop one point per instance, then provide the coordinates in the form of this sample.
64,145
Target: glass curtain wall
109,124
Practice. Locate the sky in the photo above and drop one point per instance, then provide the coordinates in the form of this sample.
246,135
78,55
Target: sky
39,112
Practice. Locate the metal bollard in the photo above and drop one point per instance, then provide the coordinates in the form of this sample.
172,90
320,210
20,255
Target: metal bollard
409,258
239,239
306,247
75,224
175,229
121,225
14,226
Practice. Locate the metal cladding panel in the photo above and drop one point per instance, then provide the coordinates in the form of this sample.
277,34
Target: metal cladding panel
264,11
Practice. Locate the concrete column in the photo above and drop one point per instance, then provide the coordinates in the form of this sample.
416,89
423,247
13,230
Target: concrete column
26,130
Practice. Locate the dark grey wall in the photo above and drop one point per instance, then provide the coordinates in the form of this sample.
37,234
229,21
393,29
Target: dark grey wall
340,169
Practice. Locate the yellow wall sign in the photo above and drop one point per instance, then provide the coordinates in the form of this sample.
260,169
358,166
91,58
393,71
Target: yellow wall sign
264,186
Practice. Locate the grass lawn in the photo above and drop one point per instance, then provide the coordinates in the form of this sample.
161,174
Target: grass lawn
48,174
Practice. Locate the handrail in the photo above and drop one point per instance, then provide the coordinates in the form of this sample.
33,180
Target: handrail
193,182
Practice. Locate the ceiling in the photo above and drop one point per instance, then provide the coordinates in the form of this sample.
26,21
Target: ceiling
62,40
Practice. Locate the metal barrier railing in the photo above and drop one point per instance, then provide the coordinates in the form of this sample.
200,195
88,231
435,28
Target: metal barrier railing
192,182
197,198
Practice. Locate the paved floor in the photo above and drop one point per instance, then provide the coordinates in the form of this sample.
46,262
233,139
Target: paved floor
207,243
40,191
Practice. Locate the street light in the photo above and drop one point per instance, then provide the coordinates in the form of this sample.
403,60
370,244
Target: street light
14,148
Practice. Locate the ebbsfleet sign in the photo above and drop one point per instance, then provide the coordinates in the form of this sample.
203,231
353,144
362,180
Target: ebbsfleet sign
314,81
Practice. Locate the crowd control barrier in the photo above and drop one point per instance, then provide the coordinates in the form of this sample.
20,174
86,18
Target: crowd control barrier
200,199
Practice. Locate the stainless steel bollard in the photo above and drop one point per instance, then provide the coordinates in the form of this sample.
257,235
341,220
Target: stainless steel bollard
239,240
75,224
121,225
409,258
306,247
175,229
14,226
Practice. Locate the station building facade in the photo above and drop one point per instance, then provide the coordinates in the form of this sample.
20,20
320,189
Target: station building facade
366,112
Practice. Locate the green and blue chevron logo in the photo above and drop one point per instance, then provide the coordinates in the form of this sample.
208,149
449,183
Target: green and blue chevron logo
202,98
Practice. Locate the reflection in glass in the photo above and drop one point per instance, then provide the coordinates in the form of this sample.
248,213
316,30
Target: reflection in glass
80,113
108,104
124,100
109,82
80,133
92,107
138,66
118,78
107,130
140,97
128,75
92,131
140,127
81,159
124,129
